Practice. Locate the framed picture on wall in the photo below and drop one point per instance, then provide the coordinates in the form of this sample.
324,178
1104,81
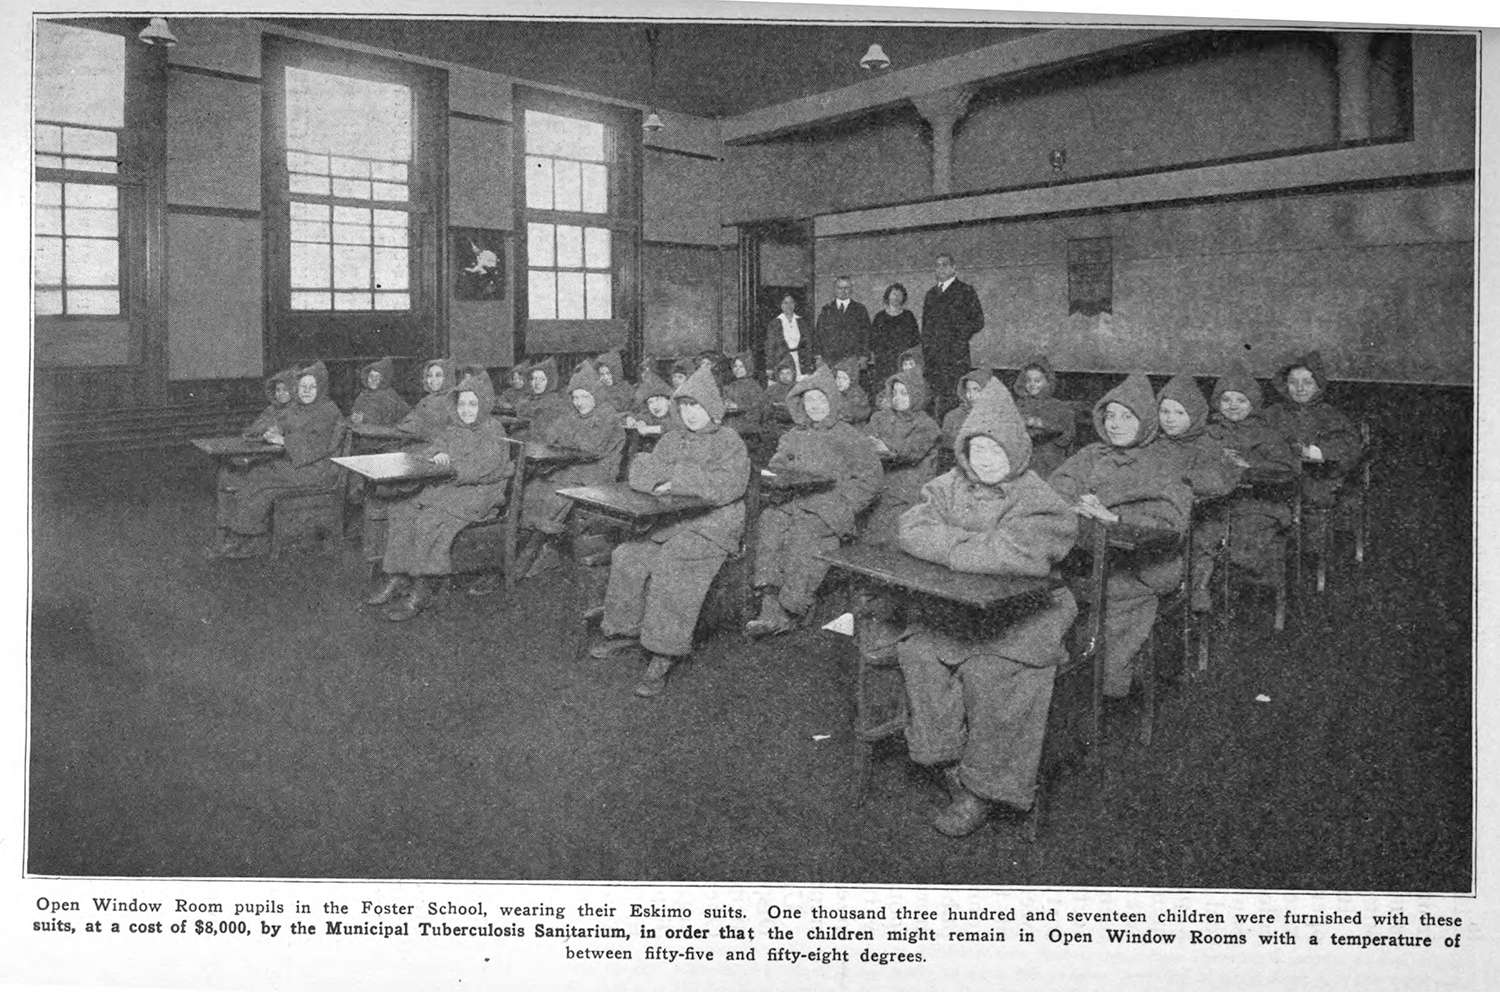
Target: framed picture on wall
478,264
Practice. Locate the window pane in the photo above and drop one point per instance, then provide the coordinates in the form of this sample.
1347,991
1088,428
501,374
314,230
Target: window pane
351,268
48,220
46,261
351,215
600,304
549,134
305,162
310,185
311,301
392,268
91,165
354,189
389,218
89,195
595,189
351,234
570,296
542,295
539,183
347,116
394,172
311,265
48,302
306,230
391,237
48,138
309,211
92,263
569,247
392,301
352,301
539,245
356,167
49,162
596,247
49,193
80,75
95,223
85,141
93,300
389,191
569,195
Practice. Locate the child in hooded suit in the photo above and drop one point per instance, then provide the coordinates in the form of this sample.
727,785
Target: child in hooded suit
543,403
378,404
279,390
968,387
854,404
613,388
1239,429
434,411
907,439
652,414
785,377
310,429
1127,477
790,537
590,427
657,585
979,698
519,384
1328,441
1048,419
422,528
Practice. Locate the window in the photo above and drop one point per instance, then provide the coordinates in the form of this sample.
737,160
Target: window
569,273
79,114
348,160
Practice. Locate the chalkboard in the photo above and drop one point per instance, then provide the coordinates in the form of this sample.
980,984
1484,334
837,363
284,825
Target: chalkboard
681,299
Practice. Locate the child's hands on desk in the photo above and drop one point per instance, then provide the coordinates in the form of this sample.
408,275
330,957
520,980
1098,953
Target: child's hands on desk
1312,452
661,489
356,418
1088,505
274,436
442,460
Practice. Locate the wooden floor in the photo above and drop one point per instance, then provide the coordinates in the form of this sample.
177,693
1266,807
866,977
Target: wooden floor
196,718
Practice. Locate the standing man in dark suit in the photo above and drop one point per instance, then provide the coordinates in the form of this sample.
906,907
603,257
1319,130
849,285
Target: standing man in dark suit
951,316
843,328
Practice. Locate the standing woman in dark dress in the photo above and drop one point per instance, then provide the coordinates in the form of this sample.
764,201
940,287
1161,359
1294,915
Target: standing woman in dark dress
787,335
893,330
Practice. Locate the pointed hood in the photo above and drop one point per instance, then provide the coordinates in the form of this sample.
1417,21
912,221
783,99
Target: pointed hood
385,366
748,358
786,363
1043,365
979,376
319,372
584,377
548,368
1135,395
702,389
288,378
1184,389
651,385
685,365
480,384
823,381
914,352
1239,380
1313,362
524,371
447,366
995,416
611,360
916,388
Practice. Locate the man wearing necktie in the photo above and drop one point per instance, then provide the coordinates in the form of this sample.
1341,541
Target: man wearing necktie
843,328
951,316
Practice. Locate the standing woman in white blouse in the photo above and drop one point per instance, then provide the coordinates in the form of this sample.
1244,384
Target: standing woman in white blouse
787,335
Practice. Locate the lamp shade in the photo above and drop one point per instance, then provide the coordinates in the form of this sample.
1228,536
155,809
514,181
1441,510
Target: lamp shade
653,122
875,58
157,33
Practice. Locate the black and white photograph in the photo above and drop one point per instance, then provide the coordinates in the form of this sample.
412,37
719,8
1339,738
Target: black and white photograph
866,449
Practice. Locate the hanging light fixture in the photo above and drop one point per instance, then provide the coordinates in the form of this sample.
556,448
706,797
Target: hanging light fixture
875,59
157,33
653,121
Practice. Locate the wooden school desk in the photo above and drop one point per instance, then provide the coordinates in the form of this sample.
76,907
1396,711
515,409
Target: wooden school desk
1279,484
237,446
386,468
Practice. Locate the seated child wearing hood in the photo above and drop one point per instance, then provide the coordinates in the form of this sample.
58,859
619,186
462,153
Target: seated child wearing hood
1182,414
434,411
519,383
1048,419
612,385
854,404
1124,476
968,387
979,698
907,440
378,404
1238,428
681,369
278,395
310,429
791,535
542,404
422,527
743,390
590,427
653,413
1328,441
657,584
781,385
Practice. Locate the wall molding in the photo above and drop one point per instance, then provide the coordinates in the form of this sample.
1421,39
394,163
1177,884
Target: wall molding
197,70
199,210
684,154
464,115
702,246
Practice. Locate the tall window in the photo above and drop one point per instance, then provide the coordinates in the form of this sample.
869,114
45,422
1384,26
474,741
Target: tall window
348,163
79,113
569,275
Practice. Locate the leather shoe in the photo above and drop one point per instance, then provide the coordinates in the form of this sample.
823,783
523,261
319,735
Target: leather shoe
772,620
963,816
608,647
415,602
655,679
393,584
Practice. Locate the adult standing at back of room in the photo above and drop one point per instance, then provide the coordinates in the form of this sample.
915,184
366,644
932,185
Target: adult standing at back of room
788,337
843,329
951,316
893,331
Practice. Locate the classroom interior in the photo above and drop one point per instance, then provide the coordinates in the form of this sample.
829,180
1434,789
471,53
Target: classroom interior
1259,193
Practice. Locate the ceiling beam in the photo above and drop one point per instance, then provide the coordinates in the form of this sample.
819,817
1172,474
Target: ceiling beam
1024,54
